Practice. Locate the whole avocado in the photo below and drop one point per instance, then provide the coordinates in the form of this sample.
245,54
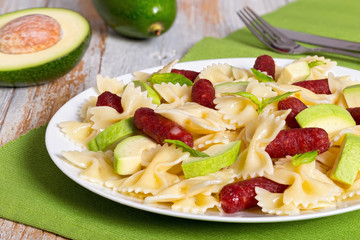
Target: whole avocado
137,18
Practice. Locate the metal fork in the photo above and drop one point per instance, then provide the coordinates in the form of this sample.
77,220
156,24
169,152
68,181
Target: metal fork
277,41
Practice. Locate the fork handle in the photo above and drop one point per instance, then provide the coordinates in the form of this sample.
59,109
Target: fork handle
333,50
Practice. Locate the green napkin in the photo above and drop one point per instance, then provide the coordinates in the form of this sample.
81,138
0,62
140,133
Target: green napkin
34,191
330,18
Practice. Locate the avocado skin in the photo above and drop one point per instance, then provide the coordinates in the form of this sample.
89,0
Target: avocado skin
133,18
46,72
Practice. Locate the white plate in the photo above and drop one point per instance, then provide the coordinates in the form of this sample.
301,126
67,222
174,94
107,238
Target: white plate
57,142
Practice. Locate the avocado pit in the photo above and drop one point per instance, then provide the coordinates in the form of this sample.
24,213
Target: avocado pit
29,33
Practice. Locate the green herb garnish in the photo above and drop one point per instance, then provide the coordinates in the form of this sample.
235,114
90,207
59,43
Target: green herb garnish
307,157
186,148
262,77
158,78
315,63
261,105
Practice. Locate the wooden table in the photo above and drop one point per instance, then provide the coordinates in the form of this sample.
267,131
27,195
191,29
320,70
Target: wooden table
23,109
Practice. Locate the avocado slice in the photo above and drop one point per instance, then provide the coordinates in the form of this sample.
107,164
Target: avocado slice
330,117
112,134
352,95
347,165
220,156
228,87
137,18
127,154
38,67
294,72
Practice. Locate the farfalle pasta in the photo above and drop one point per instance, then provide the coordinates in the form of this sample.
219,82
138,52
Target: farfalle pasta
319,71
174,95
217,73
156,176
308,188
254,160
246,110
194,195
197,119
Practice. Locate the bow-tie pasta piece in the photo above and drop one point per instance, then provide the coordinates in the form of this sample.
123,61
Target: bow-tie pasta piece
240,110
241,74
237,110
272,203
254,161
85,110
337,85
337,139
328,158
96,166
197,119
319,71
308,187
79,132
156,176
174,95
203,142
217,73
194,195
260,90
109,84
306,96
352,192
197,204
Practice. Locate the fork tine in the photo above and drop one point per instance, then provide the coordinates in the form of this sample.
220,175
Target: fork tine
261,27
265,25
252,28
258,27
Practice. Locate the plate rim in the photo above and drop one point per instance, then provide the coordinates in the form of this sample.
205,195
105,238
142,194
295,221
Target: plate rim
125,200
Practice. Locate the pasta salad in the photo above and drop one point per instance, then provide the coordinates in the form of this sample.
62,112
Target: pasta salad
194,140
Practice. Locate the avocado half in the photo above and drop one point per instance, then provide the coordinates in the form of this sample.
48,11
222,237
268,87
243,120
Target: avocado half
26,69
138,18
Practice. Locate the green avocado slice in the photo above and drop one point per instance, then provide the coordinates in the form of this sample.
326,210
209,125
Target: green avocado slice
48,64
221,155
352,95
332,118
112,134
347,165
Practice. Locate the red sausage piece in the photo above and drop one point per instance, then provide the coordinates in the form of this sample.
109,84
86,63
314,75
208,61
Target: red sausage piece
355,113
298,140
191,75
241,195
203,93
160,128
111,100
296,106
320,86
265,63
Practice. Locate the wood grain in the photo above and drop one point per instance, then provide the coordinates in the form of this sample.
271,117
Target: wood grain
23,109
